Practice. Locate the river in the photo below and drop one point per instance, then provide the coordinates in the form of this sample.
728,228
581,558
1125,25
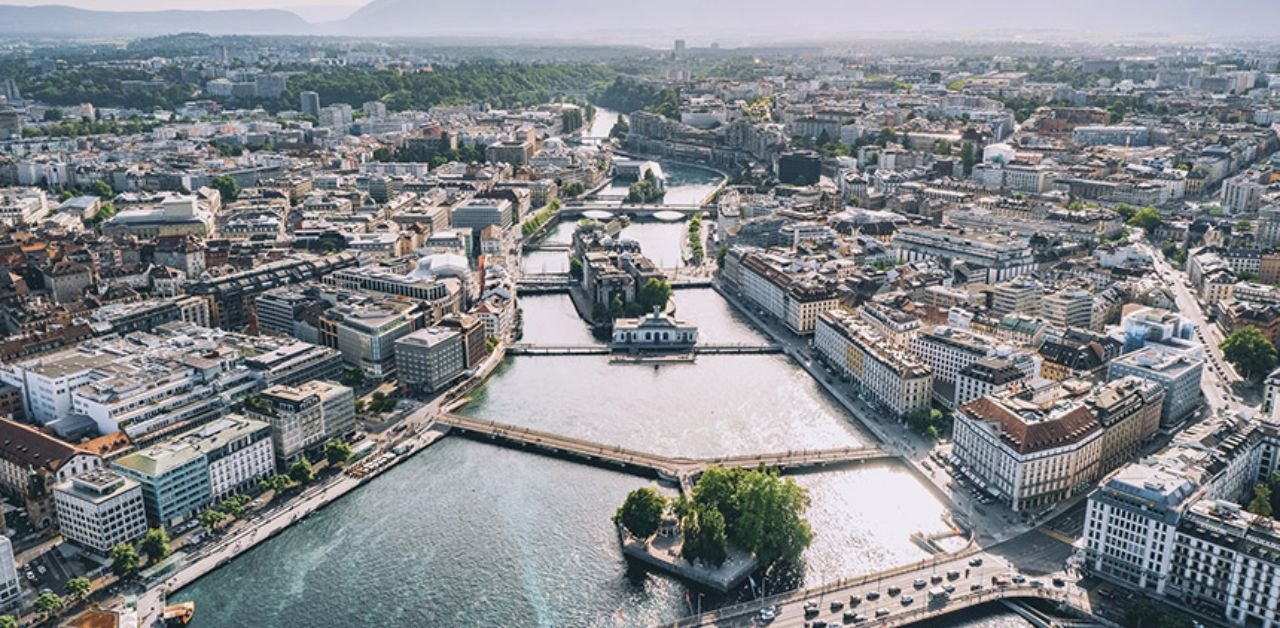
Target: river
468,533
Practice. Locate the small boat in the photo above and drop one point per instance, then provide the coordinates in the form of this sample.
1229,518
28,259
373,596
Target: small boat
179,614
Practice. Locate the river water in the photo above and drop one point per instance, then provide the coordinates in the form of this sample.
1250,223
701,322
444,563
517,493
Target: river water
467,533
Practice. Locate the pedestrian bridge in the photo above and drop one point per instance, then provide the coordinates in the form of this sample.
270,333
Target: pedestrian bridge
711,348
683,471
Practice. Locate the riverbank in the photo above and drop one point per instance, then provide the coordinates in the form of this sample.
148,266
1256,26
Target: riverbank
420,433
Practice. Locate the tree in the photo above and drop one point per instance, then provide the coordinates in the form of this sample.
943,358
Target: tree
1143,613
49,603
79,587
124,560
1261,504
337,451
155,544
771,524
654,293
703,536
926,422
1147,218
352,377
8,621
575,268
277,483
968,157
211,519
1249,351
1126,210
101,189
300,471
641,513
227,187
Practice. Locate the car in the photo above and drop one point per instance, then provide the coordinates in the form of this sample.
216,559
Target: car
836,606
935,579
854,600
907,600
1037,584
31,576
818,623
977,586
1059,582
919,583
948,588
883,612
894,591
767,614
1019,579
953,575
810,608
873,595
975,562
41,569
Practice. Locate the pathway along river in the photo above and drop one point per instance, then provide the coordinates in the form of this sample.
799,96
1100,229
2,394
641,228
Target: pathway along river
470,534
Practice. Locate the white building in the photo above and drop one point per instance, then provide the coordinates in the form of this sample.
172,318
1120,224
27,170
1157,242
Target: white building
1026,452
303,417
993,257
859,354
238,451
656,331
99,510
22,206
1130,525
9,588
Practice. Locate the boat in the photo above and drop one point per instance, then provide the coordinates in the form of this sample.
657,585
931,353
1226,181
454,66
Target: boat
179,614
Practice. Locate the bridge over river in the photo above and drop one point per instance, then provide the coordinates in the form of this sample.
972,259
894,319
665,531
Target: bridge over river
683,471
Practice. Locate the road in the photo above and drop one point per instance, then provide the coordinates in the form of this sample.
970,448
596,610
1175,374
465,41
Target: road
1219,375
912,595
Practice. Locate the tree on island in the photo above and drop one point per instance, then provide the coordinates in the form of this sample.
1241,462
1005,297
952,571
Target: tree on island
754,510
337,451
654,293
300,471
155,544
704,538
641,514
79,587
1249,351
124,560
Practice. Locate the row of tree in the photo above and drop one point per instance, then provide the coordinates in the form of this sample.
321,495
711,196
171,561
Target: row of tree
696,250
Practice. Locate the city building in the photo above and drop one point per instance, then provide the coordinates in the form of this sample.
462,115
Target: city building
1177,370
991,257
653,332
10,588
32,463
1068,308
889,378
99,510
1130,525
992,375
303,418
430,359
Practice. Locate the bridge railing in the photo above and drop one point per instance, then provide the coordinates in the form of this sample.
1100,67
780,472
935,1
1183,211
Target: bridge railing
745,608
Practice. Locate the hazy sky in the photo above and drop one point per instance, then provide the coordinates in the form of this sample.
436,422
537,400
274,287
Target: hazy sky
152,5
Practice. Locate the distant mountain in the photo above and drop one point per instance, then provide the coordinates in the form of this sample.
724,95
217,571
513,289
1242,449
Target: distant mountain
806,19
73,22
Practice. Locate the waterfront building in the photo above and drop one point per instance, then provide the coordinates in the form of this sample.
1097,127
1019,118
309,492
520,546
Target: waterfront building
303,418
430,359
796,299
860,355
1177,370
475,341
32,463
181,476
99,510
655,331
441,295
365,331
1029,451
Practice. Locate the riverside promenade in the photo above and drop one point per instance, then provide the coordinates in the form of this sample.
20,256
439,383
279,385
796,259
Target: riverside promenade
420,433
